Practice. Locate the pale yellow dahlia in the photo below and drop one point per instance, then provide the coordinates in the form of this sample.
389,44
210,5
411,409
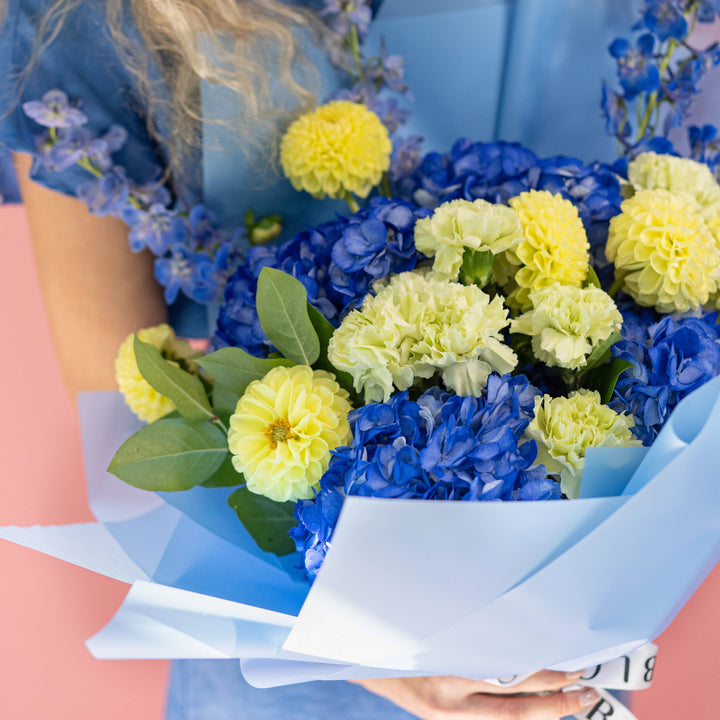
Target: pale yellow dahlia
146,402
664,249
338,148
461,225
564,427
284,428
650,171
567,323
554,248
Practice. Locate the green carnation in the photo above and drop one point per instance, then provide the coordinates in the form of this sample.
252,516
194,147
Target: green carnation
418,326
568,323
467,232
565,427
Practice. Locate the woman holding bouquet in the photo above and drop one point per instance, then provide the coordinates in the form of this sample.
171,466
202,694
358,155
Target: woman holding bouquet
139,65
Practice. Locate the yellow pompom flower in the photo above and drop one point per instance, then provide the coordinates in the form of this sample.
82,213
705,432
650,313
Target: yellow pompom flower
338,148
564,427
146,402
284,428
664,249
554,248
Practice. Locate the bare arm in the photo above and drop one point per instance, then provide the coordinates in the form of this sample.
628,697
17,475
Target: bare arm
96,290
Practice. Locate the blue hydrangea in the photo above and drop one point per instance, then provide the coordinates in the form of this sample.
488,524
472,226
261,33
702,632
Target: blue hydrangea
670,358
440,447
337,262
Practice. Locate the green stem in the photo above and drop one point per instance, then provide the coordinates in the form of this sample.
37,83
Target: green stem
386,190
355,49
619,280
352,202
651,102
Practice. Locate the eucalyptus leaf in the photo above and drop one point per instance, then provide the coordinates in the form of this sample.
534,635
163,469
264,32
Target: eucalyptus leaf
224,401
267,521
183,388
235,369
325,330
169,455
281,302
601,353
225,476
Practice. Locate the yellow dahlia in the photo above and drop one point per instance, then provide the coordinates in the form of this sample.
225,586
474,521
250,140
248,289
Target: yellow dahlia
338,148
666,252
554,248
284,428
146,402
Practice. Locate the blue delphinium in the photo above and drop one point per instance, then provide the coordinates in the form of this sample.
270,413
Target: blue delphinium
637,70
665,19
669,359
54,111
440,447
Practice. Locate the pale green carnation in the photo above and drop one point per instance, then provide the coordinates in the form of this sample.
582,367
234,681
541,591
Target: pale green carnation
565,427
460,226
650,171
417,326
568,323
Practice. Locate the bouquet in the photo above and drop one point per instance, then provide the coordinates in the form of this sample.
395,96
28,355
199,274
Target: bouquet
535,338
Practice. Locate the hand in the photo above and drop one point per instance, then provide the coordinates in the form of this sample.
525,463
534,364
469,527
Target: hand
455,698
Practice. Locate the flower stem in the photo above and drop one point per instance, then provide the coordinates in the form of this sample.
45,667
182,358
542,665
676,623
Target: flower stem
619,280
385,188
352,202
355,49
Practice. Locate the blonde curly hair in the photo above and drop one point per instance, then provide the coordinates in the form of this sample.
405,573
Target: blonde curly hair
241,45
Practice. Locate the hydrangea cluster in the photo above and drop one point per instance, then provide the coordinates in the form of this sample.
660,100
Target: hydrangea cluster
416,327
669,359
440,447
192,256
337,263
499,171
659,73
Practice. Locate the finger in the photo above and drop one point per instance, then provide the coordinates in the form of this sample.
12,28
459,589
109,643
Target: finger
539,682
531,707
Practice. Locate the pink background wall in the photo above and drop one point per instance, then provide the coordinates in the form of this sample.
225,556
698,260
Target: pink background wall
48,608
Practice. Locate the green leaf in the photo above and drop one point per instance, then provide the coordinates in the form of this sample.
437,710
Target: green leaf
174,454
224,400
602,352
592,280
235,369
183,388
604,378
282,309
225,476
267,521
324,331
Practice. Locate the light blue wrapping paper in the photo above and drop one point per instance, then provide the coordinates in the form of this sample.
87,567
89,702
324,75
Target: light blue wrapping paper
409,587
